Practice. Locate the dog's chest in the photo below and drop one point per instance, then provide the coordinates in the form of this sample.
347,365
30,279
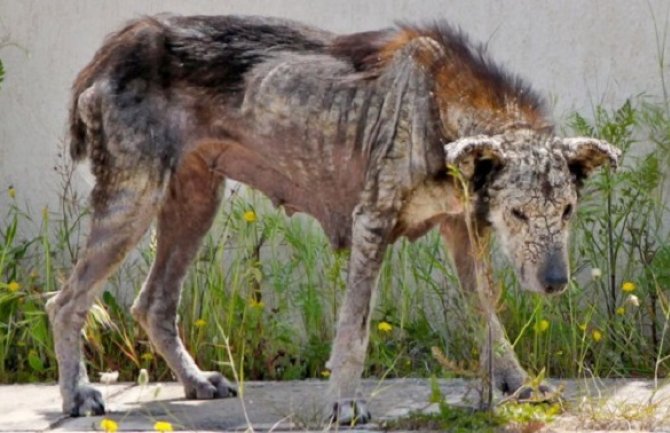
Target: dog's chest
427,205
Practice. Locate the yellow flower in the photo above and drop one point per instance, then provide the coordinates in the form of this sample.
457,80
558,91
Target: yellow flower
109,425
384,326
542,326
628,287
249,216
148,356
13,286
597,335
253,303
583,326
200,323
162,426
325,373
11,192
620,311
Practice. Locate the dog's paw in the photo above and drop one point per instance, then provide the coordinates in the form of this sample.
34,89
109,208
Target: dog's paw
350,412
212,385
224,388
86,401
521,387
529,393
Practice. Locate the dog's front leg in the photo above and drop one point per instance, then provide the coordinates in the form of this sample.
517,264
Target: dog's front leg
508,375
369,240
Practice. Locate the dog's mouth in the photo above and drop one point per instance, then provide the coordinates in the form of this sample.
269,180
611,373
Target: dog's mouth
544,288
552,290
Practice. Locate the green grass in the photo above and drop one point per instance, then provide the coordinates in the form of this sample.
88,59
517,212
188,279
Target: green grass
271,286
508,417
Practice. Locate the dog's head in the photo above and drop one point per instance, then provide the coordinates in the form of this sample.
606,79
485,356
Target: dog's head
525,184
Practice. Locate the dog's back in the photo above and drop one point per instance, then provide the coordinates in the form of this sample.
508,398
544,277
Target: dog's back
212,52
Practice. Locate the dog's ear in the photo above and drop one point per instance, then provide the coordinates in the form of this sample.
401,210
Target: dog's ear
585,154
477,158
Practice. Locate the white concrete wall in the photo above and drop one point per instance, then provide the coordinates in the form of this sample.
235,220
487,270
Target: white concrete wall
576,52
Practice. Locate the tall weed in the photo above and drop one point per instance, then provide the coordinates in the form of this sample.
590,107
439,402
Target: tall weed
265,288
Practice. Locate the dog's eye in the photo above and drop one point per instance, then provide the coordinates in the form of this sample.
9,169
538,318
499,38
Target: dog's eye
516,213
567,212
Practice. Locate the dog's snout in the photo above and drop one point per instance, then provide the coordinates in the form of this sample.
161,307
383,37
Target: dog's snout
554,276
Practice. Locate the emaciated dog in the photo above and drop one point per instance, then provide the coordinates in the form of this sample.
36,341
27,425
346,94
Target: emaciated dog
373,134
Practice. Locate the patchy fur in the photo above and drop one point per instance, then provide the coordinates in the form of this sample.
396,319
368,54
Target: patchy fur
355,130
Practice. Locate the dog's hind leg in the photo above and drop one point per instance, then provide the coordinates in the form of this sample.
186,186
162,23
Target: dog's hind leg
193,198
123,209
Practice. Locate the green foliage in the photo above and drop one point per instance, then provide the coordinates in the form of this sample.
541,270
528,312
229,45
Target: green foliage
598,327
270,286
523,417
26,351
451,419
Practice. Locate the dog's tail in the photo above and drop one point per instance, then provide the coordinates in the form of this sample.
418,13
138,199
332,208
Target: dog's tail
134,52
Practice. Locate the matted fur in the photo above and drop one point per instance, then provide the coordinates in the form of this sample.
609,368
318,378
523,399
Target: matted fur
356,130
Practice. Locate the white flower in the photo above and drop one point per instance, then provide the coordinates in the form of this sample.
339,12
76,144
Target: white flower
633,300
596,273
109,377
143,377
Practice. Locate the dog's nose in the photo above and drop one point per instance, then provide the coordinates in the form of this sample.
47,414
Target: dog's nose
554,273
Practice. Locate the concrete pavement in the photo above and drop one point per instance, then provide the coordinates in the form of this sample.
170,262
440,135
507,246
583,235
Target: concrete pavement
593,405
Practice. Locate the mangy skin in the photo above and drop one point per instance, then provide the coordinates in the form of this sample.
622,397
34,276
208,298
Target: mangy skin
356,131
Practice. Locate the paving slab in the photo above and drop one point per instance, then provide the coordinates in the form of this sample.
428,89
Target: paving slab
37,407
592,405
276,406
616,405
